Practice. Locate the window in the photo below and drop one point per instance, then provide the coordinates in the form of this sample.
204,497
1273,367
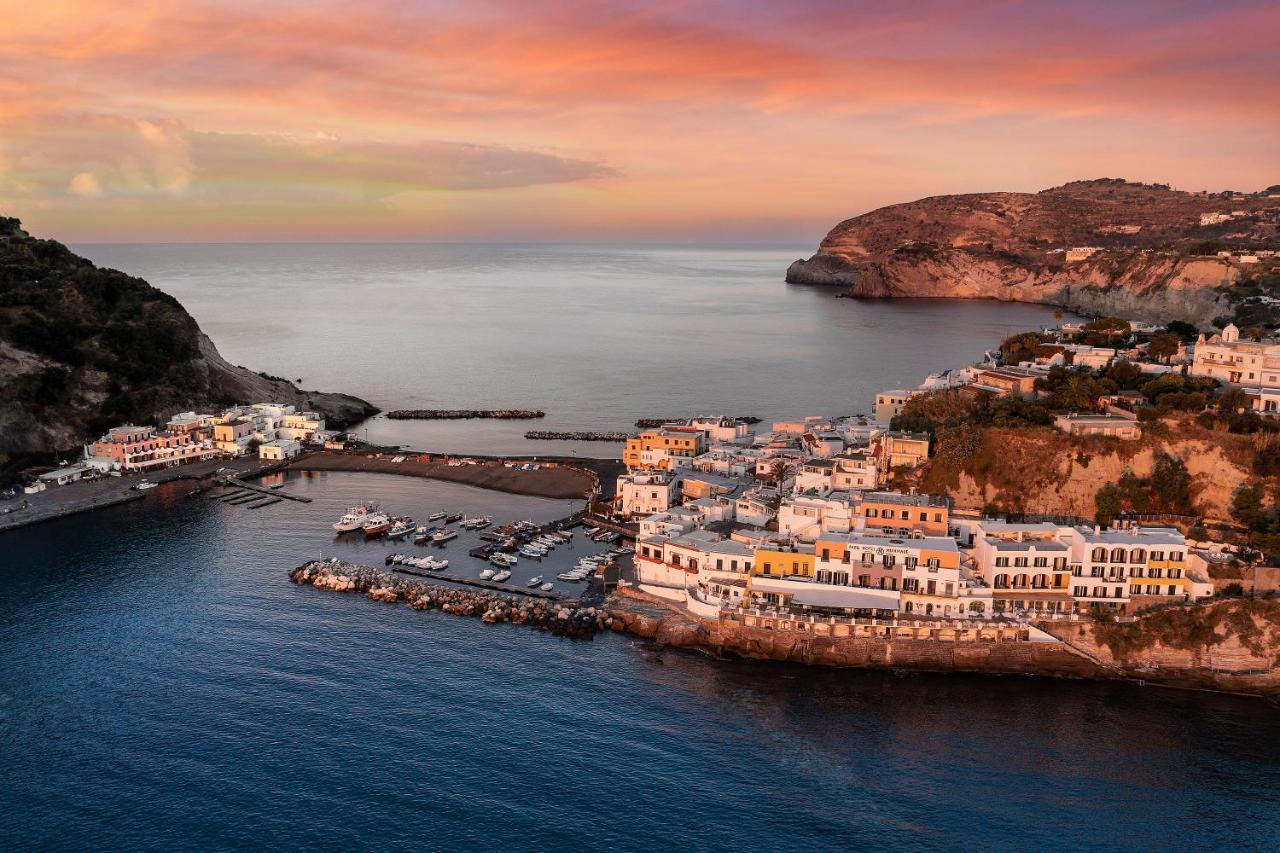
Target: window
924,516
1002,561
1099,554
1175,556
912,562
1080,591
889,561
1020,562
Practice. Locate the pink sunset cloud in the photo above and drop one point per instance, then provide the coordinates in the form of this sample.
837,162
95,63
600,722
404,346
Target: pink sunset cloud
631,117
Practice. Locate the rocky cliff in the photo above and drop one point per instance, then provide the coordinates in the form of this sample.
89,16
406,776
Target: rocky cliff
1153,248
84,348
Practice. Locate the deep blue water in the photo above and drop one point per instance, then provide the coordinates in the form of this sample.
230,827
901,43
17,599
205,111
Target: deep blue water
163,686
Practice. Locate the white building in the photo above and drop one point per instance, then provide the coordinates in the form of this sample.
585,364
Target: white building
279,449
1225,357
646,492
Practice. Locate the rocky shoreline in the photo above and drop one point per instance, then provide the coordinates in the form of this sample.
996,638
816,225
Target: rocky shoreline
1074,651
563,618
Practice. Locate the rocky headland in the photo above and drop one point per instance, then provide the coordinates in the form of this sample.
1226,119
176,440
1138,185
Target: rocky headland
83,348
1154,248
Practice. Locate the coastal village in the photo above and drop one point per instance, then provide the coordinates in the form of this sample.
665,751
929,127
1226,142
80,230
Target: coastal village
816,523
801,519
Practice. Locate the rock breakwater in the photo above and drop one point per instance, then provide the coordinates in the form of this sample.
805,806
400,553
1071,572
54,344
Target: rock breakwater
547,435
465,414
562,618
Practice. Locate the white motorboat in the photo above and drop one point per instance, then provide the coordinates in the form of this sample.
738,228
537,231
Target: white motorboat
547,587
534,582
353,520
444,536
566,576
501,559
532,553
437,516
486,574
502,576
400,528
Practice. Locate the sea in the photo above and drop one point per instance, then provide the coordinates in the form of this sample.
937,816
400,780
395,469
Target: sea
163,686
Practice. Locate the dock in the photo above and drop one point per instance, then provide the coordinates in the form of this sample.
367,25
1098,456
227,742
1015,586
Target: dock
275,493
479,582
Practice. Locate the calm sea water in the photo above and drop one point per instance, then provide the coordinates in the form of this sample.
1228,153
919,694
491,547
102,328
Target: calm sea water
595,336
163,685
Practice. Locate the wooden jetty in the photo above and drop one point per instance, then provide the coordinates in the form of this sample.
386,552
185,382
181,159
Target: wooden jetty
235,481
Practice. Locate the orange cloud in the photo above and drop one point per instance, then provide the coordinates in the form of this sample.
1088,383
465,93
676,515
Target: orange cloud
741,111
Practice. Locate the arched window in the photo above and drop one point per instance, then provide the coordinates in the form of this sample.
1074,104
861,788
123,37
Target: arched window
1117,555
1019,581
1040,582
1137,555
1099,554
1002,581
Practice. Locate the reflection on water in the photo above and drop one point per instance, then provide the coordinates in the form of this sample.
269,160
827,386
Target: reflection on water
163,684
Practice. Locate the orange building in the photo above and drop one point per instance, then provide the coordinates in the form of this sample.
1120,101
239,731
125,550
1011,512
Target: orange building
658,448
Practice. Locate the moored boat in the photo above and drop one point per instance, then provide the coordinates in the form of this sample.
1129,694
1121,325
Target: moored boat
376,524
502,576
443,536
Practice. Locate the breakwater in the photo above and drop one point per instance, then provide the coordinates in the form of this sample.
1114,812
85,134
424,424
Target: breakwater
654,423
563,618
465,414
546,435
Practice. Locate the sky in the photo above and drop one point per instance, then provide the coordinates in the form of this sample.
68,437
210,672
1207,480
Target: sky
752,121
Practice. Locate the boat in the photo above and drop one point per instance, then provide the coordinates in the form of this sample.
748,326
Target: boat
502,576
452,518
376,524
504,560
547,587
591,531
486,574
437,516
532,553
443,536
566,576
400,528
534,582
353,520
144,485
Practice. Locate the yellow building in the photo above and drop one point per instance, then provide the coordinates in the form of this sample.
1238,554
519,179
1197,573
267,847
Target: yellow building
780,561
657,448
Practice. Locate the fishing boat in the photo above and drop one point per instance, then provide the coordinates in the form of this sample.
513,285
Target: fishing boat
504,560
437,516
376,524
486,574
353,520
400,528
534,582
502,576
443,536
453,518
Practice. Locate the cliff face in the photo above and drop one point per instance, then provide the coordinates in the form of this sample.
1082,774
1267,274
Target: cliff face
1042,471
1009,246
83,348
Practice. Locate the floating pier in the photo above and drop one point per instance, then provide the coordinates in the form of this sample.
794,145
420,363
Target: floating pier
235,481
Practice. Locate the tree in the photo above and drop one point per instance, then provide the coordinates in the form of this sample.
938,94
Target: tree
1183,330
1257,333
1163,346
1107,501
1171,483
1020,347
1247,508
